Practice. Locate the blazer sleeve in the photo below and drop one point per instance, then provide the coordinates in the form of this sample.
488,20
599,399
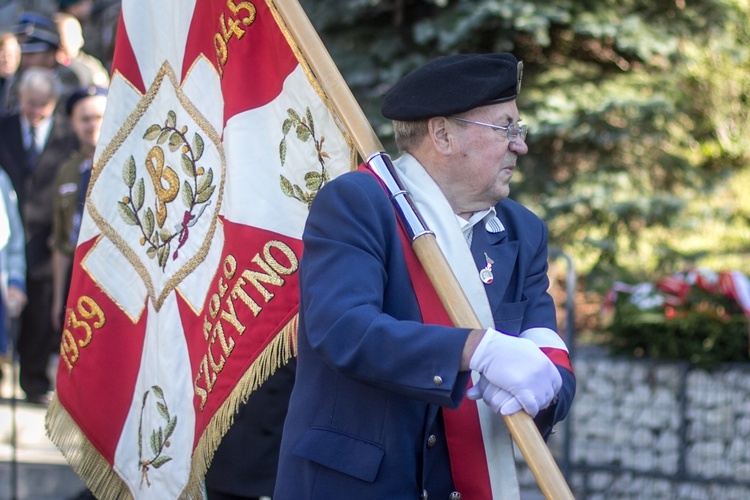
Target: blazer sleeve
546,419
540,323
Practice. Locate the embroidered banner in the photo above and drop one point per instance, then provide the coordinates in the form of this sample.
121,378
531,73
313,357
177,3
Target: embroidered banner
184,294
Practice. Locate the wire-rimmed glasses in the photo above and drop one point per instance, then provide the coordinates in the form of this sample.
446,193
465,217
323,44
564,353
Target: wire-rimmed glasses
512,130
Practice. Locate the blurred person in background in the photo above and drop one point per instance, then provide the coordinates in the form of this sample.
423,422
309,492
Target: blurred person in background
80,9
12,264
40,43
35,142
99,20
85,107
88,69
10,59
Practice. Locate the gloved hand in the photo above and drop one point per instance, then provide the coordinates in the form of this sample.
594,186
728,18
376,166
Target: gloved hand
499,400
516,366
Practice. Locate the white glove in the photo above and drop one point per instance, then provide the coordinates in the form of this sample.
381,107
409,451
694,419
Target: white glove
499,400
519,367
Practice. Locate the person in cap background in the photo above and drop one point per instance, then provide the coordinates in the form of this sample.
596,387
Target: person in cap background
85,107
34,143
40,43
10,59
39,40
379,408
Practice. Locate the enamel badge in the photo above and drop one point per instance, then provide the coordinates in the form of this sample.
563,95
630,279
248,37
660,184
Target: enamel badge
485,274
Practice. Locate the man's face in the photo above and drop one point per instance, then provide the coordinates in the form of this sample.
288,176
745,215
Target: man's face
44,59
36,105
10,57
485,157
86,119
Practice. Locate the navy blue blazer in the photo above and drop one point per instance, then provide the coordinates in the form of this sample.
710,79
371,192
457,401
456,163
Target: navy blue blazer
364,419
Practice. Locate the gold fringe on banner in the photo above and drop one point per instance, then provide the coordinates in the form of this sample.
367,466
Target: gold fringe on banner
277,353
82,456
102,480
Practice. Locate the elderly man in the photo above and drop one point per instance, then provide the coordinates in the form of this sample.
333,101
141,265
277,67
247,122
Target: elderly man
375,408
35,143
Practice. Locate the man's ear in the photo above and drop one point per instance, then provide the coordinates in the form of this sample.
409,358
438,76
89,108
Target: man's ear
440,134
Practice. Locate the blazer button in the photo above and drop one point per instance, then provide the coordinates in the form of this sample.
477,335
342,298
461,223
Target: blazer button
424,494
454,496
431,441
438,380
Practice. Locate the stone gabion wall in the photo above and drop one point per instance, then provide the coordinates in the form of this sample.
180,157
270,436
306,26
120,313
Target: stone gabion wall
654,430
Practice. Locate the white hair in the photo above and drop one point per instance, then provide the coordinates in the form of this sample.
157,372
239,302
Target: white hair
41,80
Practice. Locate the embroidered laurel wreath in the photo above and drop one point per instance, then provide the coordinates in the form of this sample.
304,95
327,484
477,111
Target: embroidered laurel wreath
159,439
196,190
314,180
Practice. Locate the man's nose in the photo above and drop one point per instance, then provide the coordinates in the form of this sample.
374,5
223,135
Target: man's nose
519,146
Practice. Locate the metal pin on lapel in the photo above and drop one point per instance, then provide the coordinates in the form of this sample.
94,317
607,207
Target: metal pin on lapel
486,273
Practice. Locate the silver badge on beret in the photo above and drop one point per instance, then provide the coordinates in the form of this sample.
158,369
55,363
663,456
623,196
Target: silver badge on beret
519,75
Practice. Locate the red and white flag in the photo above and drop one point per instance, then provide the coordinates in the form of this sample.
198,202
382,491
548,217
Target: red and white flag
184,294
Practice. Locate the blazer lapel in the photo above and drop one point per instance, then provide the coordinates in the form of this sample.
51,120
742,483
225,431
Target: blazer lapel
502,253
56,150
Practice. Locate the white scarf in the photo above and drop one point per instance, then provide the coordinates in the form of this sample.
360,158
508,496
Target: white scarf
440,218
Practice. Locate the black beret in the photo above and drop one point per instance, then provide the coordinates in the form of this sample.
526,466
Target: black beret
82,93
453,84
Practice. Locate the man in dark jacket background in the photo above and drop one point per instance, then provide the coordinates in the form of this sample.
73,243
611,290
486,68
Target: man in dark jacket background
35,142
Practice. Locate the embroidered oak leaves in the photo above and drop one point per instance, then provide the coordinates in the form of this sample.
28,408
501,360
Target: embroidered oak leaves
159,439
315,179
195,190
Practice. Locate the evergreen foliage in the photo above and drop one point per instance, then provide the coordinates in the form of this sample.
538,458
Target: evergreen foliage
638,115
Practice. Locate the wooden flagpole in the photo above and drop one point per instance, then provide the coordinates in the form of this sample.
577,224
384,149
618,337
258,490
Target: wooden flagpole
549,478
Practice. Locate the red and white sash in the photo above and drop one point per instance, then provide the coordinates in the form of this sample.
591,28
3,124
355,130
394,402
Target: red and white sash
479,442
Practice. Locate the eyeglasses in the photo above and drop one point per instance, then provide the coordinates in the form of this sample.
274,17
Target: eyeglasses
512,130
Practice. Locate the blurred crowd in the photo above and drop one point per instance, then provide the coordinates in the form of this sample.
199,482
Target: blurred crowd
98,20
55,57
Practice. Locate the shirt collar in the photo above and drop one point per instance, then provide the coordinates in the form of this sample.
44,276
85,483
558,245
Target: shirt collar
41,132
489,217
